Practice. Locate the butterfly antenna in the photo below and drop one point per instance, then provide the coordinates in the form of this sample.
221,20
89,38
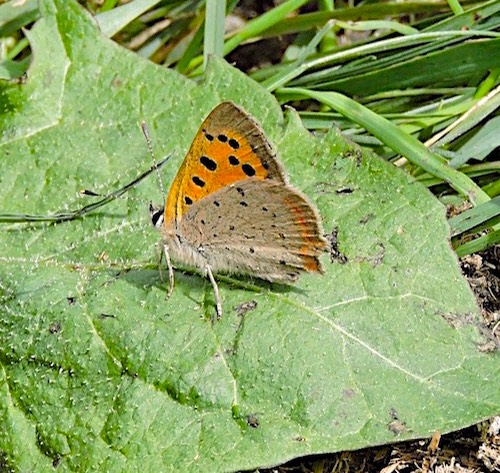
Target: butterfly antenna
145,131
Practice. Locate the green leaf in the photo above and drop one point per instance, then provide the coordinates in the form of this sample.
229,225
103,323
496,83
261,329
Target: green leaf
10,70
100,373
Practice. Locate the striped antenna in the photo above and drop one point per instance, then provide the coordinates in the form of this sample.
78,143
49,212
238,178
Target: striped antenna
145,131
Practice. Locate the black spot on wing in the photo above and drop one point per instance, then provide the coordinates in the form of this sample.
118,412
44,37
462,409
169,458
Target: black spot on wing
209,163
208,136
198,181
248,170
234,143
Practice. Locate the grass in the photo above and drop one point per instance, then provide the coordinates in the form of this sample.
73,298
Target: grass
417,82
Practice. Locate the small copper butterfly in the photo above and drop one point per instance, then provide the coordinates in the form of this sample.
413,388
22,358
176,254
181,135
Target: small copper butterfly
230,208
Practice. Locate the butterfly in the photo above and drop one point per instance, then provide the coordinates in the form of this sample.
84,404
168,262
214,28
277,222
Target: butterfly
230,208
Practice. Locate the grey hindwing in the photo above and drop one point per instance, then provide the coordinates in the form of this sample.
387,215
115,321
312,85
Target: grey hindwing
258,227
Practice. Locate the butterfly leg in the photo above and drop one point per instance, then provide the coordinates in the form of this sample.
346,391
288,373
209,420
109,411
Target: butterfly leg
160,250
170,271
218,303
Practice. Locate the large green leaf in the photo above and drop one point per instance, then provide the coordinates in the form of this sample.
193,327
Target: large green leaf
100,372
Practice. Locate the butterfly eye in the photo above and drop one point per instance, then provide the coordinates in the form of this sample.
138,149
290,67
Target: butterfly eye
156,214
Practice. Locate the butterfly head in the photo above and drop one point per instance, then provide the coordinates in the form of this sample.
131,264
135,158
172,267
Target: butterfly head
156,214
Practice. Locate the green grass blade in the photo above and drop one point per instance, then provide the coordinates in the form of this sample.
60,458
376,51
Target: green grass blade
293,70
378,25
472,18
214,29
415,49
108,5
455,6
329,41
260,24
471,118
255,27
192,50
112,21
479,244
485,141
475,216
374,11
467,60
15,15
396,139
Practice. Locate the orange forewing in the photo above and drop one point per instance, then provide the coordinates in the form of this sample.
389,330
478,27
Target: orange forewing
229,147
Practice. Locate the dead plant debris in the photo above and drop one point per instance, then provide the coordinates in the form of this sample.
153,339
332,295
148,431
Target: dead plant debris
472,450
